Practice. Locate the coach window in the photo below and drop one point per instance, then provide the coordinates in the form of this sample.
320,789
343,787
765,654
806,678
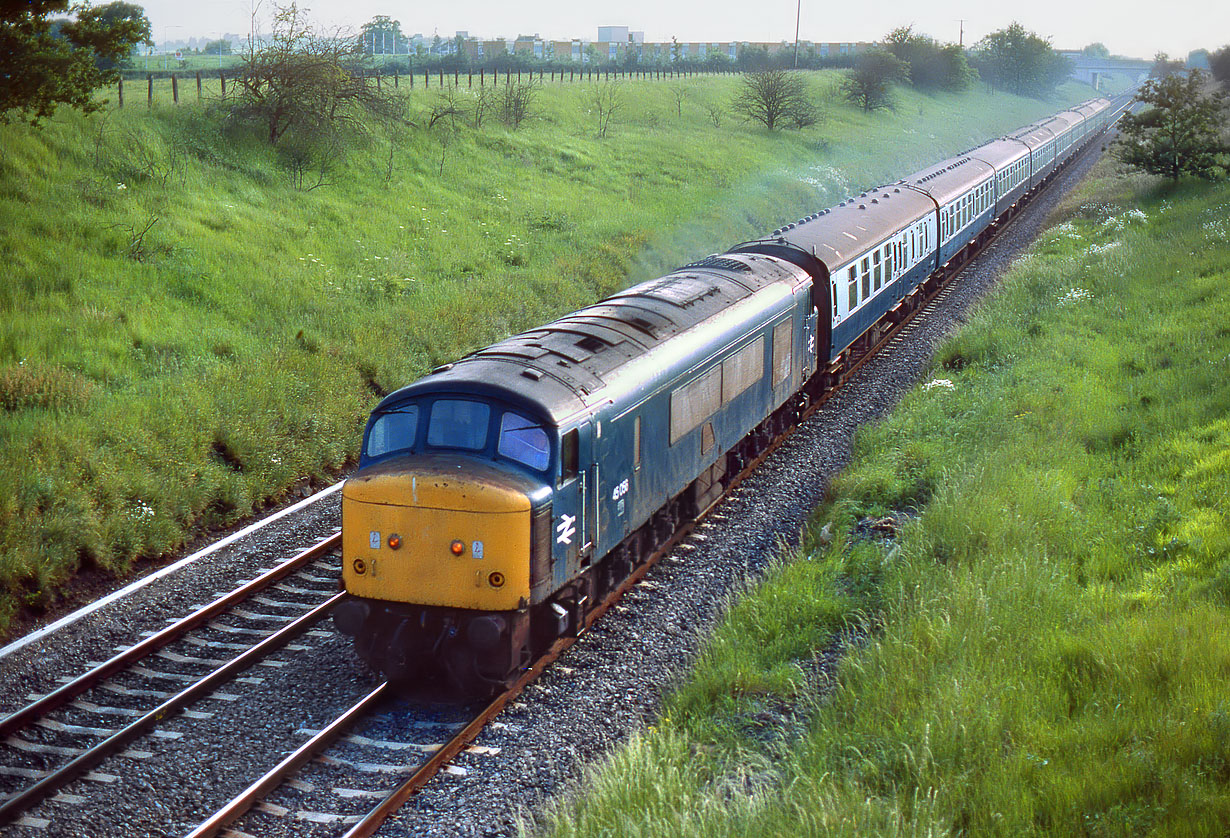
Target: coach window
853,274
866,275
568,457
876,272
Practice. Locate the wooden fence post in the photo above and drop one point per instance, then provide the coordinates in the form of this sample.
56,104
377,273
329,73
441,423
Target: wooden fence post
199,94
456,78
151,89
174,89
442,75
378,87
222,78
121,102
396,78
482,76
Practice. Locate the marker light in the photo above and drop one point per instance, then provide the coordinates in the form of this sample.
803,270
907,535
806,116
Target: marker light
394,541
457,547
360,566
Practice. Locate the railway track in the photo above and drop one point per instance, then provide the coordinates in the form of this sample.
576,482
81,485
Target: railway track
65,734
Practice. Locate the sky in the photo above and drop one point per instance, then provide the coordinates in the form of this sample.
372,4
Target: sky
1130,28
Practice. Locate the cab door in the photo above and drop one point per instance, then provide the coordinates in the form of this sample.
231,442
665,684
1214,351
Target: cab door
574,517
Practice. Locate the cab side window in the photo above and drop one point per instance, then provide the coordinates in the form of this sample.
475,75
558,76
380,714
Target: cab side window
568,457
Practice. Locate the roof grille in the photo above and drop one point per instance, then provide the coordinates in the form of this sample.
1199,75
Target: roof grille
719,262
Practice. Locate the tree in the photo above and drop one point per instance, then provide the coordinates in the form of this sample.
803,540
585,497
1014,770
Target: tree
45,63
932,66
1163,66
1096,50
516,101
218,47
1219,63
606,100
772,97
753,58
1183,133
382,35
1020,62
869,84
300,81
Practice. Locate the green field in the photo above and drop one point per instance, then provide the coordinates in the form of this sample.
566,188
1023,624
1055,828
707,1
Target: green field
190,328
1044,648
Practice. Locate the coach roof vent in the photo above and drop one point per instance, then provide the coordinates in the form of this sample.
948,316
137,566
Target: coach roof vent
532,374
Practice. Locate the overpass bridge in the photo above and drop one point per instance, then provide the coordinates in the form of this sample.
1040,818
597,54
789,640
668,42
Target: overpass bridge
1090,69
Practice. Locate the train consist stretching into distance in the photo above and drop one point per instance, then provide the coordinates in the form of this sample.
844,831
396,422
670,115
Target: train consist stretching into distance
499,498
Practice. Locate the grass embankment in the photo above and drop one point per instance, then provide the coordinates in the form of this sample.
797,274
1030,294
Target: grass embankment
1047,641
188,331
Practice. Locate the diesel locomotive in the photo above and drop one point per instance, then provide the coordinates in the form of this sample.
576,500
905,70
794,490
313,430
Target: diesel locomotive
500,497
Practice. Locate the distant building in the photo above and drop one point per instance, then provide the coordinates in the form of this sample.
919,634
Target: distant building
613,33
622,45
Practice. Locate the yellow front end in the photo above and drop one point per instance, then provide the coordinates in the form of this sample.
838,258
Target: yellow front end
461,530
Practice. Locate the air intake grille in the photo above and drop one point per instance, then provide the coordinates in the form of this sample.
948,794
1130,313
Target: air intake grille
719,262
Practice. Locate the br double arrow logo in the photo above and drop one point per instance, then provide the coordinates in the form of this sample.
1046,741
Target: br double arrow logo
566,529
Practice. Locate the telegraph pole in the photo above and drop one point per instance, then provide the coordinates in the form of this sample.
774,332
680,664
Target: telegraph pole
961,37
798,11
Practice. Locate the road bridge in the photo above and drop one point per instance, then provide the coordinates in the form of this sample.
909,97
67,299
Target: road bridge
1090,69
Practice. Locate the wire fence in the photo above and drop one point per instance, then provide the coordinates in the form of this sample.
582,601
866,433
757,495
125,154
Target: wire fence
217,84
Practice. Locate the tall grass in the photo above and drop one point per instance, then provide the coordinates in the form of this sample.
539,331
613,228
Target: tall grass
190,327
1044,648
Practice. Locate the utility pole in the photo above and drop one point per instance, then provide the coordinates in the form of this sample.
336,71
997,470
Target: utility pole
798,11
961,37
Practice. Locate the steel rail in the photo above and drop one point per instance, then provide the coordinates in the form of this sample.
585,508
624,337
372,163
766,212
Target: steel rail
67,692
273,778
85,611
13,807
